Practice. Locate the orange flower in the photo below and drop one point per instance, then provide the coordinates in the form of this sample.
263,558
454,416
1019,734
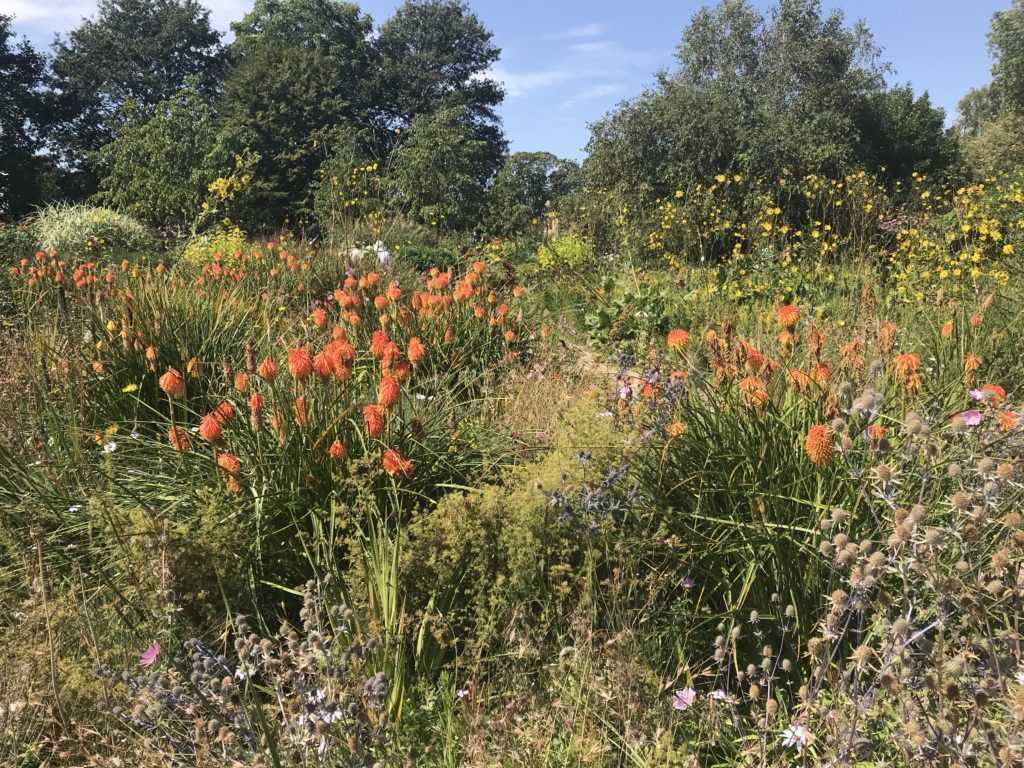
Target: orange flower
678,339
997,392
787,340
416,352
971,362
389,392
231,465
373,419
256,403
753,389
267,370
178,438
518,291
300,365
975,321
210,428
394,292
173,383
319,317
820,447
875,433
224,412
946,330
510,336
151,353
675,429
820,373
906,364
378,343
479,267
1007,420
395,464
322,364
788,316
800,380
337,450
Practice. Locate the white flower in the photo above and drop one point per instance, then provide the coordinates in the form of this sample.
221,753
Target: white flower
109,447
135,435
604,414
795,737
74,508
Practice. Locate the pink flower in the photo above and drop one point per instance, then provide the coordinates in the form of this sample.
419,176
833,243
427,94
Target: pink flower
683,699
149,655
976,394
971,418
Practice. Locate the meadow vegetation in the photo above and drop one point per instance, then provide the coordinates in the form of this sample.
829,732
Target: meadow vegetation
640,463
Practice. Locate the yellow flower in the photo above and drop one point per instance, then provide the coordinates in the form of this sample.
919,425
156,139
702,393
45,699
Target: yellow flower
130,388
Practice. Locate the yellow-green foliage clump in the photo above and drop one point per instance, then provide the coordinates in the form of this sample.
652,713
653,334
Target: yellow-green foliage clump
225,244
568,251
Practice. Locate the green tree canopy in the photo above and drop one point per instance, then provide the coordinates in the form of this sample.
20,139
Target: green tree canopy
159,166
143,51
1006,43
991,117
440,169
797,90
336,30
22,112
526,187
282,103
434,55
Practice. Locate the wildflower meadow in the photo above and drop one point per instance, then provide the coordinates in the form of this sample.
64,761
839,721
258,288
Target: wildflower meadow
336,435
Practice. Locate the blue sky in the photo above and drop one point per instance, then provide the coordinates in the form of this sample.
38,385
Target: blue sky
565,63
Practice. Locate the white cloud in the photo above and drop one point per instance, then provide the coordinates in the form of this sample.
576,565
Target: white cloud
67,14
593,92
587,30
521,84
64,15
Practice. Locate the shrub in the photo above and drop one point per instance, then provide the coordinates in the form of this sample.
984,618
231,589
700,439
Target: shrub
17,240
222,243
87,232
566,252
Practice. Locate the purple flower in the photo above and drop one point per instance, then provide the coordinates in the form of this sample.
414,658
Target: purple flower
624,391
149,655
976,394
687,582
971,418
683,699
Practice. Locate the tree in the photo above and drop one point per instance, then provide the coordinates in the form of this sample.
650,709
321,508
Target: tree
992,117
904,134
797,90
440,168
527,186
336,30
1006,43
434,55
282,103
22,109
159,166
142,51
